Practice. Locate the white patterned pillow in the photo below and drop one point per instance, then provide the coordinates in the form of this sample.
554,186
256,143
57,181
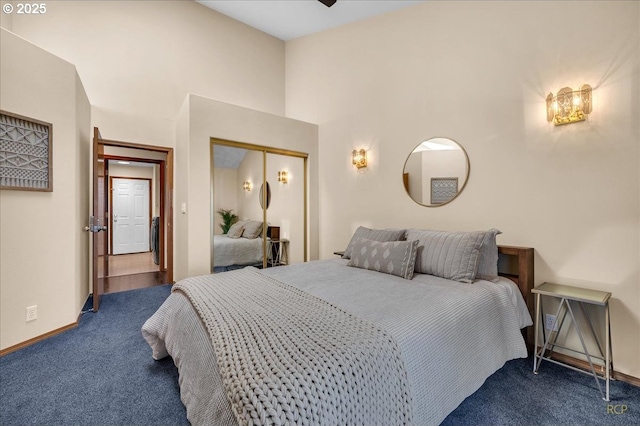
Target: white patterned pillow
381,235
450,255
235,231
252,229
392,257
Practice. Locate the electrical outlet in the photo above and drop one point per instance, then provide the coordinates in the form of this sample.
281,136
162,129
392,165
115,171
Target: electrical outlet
32,313
550,322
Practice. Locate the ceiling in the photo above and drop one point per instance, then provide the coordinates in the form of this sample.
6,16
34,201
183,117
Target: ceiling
227,157
289,19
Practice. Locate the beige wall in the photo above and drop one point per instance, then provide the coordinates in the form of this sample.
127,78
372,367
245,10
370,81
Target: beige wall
138,59
201,119
181,193
479,72
129,171
250,169
225,193
43,249
6,19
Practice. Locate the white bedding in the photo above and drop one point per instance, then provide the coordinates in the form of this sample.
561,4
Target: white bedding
236,251
524,318
452,335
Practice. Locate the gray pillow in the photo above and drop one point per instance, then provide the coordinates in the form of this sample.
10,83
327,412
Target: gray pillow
252,229
381,235
235,231
450,255
393,257
488,258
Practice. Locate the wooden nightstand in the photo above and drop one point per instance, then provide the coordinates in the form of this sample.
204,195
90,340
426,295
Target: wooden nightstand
273,232
579,296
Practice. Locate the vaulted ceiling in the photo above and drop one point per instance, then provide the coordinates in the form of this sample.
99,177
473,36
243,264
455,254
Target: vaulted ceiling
289,19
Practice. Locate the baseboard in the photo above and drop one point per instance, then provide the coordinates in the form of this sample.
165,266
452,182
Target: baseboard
584,365
37,339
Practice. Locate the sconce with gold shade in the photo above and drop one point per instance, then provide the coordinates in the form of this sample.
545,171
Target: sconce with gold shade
283,176
359,158
246,186
569,106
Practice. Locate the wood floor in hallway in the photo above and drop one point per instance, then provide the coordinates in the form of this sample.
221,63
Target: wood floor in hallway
132,271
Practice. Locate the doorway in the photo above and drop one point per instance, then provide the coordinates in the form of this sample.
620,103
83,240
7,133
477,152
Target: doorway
130,214
133,194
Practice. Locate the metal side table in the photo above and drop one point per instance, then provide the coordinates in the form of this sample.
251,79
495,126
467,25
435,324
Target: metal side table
579,296
279,252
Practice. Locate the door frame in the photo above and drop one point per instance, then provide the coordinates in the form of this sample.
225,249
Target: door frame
111,227
166,199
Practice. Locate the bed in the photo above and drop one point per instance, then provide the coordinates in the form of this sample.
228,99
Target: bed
241,246
442,339
228,252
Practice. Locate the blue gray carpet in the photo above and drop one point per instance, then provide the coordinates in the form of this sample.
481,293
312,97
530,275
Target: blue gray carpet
102,373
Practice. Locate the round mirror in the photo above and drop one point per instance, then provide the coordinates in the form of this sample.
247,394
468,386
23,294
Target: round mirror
435,172
262,196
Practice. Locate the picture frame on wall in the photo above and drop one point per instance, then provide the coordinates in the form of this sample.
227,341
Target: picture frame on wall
26,153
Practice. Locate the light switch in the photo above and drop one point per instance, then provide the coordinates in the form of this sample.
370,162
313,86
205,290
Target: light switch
183,208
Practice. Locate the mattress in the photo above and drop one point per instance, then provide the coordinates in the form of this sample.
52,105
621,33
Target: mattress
452,336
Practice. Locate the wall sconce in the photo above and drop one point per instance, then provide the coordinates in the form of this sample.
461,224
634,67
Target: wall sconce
283,177
569,106
246,186
359,158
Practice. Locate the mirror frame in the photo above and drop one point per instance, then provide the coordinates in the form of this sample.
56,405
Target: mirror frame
265,150
464,184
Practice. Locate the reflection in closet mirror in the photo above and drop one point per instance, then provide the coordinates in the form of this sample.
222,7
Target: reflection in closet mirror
286,210
233,164
262,196
436,172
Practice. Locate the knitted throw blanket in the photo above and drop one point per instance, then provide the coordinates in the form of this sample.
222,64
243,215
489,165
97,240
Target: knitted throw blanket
288,357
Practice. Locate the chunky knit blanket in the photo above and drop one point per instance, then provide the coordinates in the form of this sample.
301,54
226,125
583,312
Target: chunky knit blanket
287,357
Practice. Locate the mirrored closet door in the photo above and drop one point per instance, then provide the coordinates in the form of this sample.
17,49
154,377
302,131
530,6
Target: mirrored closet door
258,206
285,214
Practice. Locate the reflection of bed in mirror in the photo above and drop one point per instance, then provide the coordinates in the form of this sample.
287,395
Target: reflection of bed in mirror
234,253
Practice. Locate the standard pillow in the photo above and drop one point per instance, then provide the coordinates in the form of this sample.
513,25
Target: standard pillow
450,255
235,231
252,229
488,258
381,235
392,257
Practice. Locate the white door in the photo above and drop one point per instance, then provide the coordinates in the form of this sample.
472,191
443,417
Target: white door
130,215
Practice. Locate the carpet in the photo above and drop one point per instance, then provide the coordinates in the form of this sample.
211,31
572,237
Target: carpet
102,373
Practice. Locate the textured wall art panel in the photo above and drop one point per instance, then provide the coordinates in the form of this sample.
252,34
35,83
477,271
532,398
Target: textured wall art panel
25,153
443,190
